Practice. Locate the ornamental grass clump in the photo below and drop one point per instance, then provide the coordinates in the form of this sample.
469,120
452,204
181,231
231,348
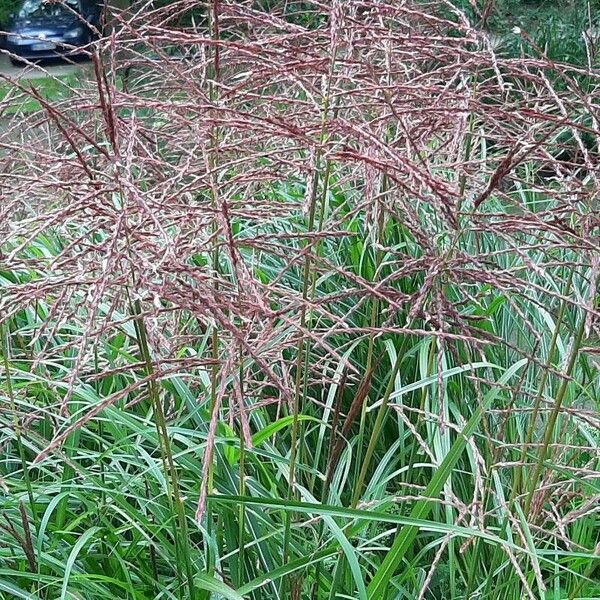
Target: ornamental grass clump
300,304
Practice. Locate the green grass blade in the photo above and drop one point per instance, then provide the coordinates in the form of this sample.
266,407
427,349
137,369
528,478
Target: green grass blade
378,586
73,557
210,584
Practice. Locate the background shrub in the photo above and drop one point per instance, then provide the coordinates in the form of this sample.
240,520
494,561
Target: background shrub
6,8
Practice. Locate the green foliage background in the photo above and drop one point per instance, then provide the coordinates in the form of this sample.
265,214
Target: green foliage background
6,7
557,26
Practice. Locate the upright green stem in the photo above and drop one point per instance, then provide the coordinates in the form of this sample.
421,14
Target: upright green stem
214,374
19,440
373,323
423,402
374,439
540,392
16,424
472,560
550,425
242,482
305,295
173,489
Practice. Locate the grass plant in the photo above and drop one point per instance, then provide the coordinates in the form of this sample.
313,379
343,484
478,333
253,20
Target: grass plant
302,311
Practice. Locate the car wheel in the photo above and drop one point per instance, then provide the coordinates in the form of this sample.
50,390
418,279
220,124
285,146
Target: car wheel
16,62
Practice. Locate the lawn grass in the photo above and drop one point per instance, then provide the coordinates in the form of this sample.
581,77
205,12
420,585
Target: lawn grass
54,88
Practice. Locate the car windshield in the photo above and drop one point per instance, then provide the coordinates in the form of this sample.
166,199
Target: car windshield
33,9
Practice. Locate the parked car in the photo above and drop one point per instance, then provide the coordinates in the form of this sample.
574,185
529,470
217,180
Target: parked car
49,29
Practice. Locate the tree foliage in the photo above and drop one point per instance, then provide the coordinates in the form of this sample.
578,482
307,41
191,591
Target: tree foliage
6,8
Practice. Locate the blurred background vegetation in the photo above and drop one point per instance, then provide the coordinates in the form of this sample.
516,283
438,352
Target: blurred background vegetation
556,26
6,8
